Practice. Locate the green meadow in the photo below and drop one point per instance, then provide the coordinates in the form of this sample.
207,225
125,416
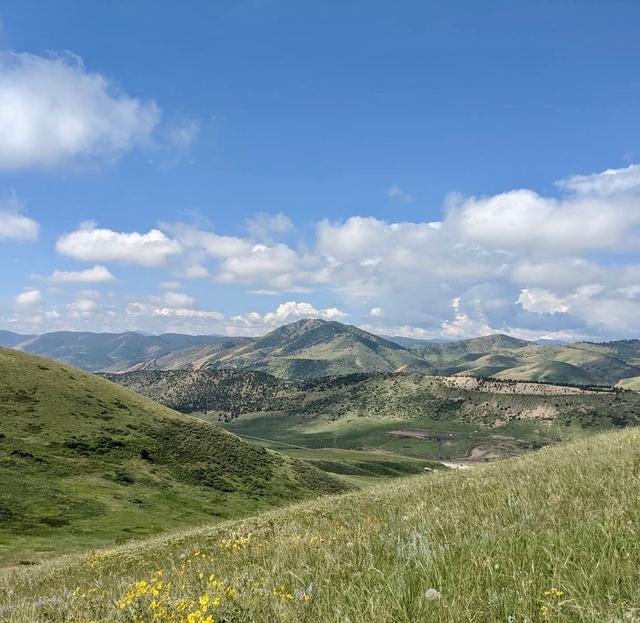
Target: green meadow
551,536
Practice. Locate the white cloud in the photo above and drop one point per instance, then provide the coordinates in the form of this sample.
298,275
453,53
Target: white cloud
277,267
187,313
542,301
97,274
28,298
609,182
599,212
212,244
177,299
560,274
517,262
522,220
463,325
104,245
83,307
292,311
13,224
53,111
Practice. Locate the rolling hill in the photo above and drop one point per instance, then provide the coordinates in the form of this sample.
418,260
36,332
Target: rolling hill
508,358
84,462
314,348
308,349
553,536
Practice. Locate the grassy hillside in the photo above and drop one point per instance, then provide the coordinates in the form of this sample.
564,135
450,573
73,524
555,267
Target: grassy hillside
85,462
545,372
553,536
405,414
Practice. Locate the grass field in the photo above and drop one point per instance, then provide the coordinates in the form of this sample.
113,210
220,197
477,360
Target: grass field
424,438
551,536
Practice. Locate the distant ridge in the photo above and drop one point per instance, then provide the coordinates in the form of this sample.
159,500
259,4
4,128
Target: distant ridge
313,348
107,351
8,339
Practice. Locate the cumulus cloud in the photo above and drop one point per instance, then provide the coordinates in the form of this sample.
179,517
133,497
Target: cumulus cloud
516,262
607,183
524,220
104,245
97,274
54,111
82,307
261,262
256,323
177,299
560,274
28,298
542,301
292,311
196,271
211,243
184,312
13,224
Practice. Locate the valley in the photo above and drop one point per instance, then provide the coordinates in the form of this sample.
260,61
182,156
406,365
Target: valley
433,418
226,470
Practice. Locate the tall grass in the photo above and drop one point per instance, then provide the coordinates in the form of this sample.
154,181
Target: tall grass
553,536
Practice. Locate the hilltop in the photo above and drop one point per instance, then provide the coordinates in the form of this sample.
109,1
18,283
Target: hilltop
314,348
308,349
85,462
551,536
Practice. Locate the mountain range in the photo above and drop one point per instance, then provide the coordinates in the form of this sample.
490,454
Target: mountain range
314,348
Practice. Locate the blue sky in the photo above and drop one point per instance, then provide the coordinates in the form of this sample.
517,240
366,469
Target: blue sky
392,165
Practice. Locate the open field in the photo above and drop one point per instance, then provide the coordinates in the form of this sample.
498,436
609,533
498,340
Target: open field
551,536
421,438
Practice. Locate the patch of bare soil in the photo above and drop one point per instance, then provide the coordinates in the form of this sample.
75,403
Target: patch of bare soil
408,432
